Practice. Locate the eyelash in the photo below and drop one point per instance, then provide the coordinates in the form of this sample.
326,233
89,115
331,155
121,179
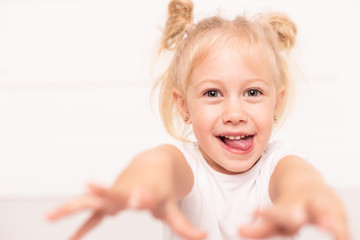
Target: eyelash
211,93
208,92
257,92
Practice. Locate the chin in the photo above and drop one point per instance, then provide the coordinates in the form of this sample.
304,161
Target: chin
236,168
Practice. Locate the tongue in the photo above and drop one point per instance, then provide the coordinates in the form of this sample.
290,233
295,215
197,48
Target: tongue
241,144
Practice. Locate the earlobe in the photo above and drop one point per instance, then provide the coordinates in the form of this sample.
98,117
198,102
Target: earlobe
181,106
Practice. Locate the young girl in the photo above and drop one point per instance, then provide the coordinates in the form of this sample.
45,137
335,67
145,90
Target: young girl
229,81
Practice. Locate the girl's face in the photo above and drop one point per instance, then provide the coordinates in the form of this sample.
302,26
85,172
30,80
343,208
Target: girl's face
232,111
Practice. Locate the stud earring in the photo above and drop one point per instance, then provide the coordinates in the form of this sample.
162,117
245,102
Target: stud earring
275,118
186,119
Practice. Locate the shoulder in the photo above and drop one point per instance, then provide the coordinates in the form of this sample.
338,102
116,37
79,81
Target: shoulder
281,149
168,152
190,150
278,150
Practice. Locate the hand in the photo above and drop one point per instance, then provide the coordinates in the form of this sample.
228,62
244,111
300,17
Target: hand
286,217
103,201
153,181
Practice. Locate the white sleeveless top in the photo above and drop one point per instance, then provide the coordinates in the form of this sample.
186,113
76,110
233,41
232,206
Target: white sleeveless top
219,203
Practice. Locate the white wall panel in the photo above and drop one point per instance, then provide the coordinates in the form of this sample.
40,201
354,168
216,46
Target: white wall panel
54,140
76,41
75,81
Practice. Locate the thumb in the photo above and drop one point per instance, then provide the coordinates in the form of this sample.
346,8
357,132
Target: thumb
180,224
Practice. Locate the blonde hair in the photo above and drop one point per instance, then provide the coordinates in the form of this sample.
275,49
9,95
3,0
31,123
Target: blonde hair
271,36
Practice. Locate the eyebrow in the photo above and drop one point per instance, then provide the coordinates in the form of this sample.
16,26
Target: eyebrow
217,81
202,82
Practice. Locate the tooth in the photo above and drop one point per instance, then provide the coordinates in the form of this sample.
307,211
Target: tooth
243,136
238,137
231,137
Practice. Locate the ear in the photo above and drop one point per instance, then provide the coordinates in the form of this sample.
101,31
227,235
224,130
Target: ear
181,106
279,100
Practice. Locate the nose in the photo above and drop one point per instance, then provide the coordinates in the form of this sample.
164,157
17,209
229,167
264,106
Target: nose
234,113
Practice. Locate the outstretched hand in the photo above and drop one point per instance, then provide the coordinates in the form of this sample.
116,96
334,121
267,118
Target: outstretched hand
287,217
153,181
110,201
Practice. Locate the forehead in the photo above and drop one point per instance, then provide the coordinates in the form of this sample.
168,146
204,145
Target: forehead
222,63
232,58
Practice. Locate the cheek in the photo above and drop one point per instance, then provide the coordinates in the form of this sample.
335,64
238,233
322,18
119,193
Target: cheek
263,115
203,118
200,116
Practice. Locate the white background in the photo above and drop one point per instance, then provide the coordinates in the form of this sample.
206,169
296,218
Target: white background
75,80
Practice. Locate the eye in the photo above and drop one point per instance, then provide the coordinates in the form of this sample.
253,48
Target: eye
252,93
212,93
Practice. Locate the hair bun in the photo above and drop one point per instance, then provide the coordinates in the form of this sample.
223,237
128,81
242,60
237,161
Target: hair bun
180,15
284,28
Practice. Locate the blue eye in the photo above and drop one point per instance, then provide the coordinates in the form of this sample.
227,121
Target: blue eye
212,93
252,93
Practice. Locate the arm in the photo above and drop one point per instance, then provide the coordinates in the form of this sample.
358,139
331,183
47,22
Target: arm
154,180
162,169
300,196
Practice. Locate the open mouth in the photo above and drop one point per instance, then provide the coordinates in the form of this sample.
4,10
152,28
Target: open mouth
238,143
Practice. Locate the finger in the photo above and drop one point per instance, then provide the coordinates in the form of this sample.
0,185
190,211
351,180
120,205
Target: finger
178,222
275,221
287,220
330,216
109,193
79,204
336,227
97,189
92,222
259,230
144,199
114,199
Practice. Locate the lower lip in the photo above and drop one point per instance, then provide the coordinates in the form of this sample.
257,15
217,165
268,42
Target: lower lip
235,150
